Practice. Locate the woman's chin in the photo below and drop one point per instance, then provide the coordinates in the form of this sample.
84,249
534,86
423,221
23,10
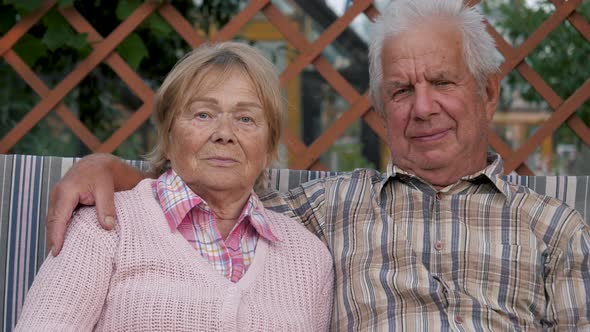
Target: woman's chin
224,184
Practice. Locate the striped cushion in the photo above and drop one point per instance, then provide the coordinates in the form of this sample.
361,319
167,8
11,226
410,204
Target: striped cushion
25,183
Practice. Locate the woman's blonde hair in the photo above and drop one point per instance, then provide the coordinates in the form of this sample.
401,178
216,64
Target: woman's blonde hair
191,74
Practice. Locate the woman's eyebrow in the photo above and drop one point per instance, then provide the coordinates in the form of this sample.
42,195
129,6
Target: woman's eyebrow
203,100
246,104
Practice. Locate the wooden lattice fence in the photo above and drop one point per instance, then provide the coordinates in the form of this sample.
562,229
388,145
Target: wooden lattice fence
306,157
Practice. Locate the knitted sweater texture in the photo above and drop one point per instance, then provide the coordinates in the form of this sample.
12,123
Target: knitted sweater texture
143,277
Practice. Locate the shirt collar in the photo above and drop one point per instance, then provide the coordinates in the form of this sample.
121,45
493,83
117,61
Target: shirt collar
492,172
177,199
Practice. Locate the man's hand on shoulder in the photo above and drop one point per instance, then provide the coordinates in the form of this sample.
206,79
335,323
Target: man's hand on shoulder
90,181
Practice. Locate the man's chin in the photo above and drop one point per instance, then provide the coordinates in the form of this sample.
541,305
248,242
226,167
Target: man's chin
434,161
423,165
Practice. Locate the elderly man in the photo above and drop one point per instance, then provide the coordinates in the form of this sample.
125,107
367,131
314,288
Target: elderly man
439,241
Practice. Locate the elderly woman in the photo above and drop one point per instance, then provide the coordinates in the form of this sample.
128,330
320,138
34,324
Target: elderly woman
194,250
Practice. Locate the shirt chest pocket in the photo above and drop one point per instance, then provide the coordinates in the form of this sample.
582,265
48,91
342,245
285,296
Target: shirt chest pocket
505,278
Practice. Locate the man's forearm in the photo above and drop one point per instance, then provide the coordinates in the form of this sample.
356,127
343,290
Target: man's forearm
125,176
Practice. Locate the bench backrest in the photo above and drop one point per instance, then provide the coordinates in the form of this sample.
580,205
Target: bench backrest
25,183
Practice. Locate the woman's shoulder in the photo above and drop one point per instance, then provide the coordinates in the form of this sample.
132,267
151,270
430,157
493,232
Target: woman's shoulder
140,196
132,207
142,190
84,230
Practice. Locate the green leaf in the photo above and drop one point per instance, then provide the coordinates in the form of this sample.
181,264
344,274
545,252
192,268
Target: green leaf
59,36
133,50
54,19
30,49
56,36
59,33
65,3
77,41
126,7
24,5
158,25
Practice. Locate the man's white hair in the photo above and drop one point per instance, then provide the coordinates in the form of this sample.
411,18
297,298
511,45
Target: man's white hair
479,48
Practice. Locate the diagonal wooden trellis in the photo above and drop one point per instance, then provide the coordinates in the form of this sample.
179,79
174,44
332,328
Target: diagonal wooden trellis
307,157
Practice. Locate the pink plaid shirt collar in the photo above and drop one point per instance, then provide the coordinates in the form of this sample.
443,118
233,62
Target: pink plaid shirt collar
177,199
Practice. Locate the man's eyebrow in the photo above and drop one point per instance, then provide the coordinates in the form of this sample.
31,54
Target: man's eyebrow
394,84
444,74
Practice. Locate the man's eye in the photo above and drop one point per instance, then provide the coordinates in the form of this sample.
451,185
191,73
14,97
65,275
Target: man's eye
399,92
202,116
442,83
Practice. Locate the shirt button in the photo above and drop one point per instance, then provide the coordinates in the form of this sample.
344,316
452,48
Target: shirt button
438,195
231,290
439,246
458,319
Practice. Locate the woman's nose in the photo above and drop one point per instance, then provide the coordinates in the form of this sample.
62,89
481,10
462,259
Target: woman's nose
224,131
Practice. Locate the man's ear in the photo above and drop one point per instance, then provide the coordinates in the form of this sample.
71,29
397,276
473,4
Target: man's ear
491,96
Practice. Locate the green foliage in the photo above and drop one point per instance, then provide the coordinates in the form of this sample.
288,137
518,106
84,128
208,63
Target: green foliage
30,49
65,3
126,7
59,33
561,59
134,50
52,34
159,26
213,12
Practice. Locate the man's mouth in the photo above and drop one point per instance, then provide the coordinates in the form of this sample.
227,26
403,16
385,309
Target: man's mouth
431,136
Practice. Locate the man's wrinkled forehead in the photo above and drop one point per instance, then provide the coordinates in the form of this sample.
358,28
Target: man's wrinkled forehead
424,48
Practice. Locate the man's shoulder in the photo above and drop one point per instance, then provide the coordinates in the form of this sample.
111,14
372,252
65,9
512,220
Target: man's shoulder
356,176
290,231
546,213
524,194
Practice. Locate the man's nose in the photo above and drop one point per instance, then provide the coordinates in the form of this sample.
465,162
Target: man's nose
424,105
224,131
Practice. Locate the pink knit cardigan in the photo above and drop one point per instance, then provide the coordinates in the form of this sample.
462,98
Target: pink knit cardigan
142,277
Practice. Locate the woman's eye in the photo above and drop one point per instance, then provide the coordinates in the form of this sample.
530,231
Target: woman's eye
245,119
202,116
